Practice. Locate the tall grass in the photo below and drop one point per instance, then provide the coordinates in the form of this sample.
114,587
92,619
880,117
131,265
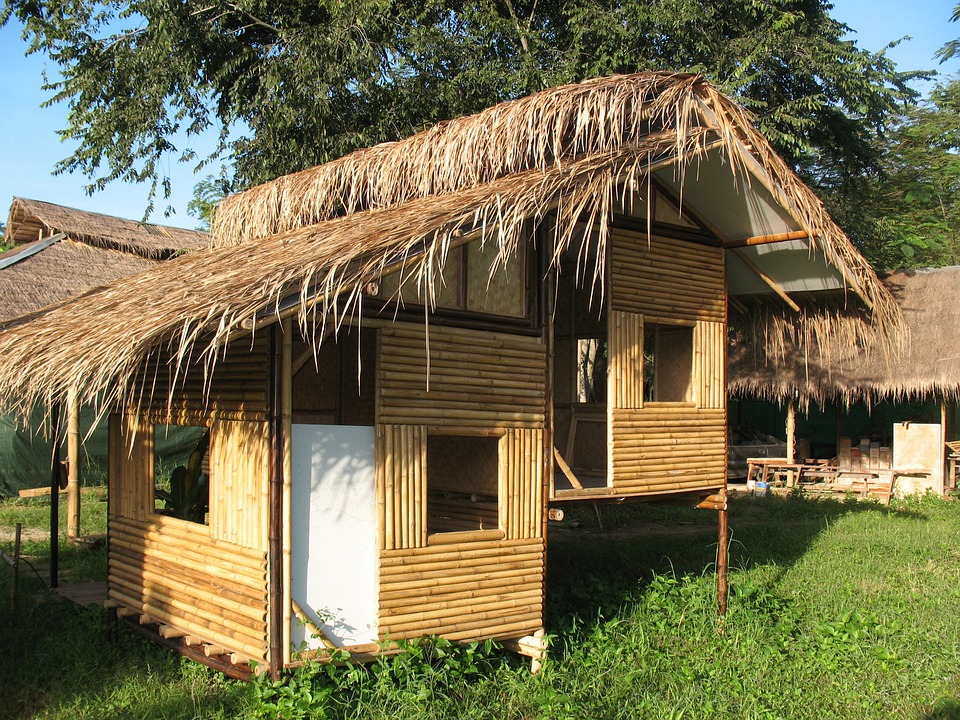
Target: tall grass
837,609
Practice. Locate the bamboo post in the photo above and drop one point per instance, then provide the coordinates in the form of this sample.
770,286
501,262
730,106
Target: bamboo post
55,496
286,380
73,464
722,558
943,447
275,508
791,439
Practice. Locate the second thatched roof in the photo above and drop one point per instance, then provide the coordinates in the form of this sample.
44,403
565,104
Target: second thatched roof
309,244
31,220
842,369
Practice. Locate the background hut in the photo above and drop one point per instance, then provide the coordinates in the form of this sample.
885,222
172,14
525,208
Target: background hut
847,385
378,356
59,253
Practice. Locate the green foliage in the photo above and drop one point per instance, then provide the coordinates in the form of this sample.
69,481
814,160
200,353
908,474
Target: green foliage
207,194
952,48
425,670
909,214
290,85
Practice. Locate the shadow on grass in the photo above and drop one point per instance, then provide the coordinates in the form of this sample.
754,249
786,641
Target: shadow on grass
946,709
63,660
599,556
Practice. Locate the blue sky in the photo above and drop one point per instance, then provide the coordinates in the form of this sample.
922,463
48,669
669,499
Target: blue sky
30,147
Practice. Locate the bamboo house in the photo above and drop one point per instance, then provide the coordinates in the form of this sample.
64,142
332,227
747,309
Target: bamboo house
394,363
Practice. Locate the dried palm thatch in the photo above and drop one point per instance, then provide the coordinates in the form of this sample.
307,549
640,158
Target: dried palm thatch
33,219
63,270
323,234
847,365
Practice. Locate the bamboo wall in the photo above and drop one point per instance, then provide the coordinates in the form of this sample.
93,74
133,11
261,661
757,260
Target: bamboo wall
208,581
237,388
666,447
465,591
463,585
476,379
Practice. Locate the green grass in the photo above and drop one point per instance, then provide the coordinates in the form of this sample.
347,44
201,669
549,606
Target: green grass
837,609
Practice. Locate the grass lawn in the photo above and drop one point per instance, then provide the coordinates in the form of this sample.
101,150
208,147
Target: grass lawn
837,609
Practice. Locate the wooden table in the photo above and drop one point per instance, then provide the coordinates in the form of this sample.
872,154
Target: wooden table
780,469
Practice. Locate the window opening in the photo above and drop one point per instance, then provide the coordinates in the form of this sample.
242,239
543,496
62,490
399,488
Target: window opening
462,483
181,471
667,363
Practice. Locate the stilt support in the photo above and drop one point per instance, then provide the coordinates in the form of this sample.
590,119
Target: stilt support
718,502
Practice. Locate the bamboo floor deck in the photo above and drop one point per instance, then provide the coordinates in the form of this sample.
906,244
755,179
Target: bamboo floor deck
83,594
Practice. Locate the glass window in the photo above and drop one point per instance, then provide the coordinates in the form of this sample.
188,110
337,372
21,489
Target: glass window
181,472
472,280
462,483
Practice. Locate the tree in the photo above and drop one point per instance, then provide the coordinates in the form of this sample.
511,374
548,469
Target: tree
952,48
910,212
207,194
300,82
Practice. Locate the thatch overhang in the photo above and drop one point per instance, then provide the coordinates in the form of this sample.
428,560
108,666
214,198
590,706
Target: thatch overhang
310,243
844,366
31,220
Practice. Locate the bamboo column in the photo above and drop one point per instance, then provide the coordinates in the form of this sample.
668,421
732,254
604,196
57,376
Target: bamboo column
791,439
276,611
722,559
286,399
73,464
55,454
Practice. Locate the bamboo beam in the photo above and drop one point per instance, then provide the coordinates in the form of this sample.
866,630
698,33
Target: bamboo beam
765,239
774,285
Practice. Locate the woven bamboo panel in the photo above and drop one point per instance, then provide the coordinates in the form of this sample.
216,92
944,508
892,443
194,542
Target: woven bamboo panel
237,388
475,379
625,369
174,573
668,449
401,486
666,278
463,592
239,472
709,343
130,467
521,471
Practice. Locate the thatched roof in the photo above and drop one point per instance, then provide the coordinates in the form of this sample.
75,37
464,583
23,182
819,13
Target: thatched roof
61,270
839,368
561,154
31,220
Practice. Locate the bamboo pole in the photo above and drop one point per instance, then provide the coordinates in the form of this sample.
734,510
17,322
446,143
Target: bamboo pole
466,536
171,610
448,570
275,606
507,580
476,612
491,549
73,464
197,589
204,631
791,439
55,468
517,625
